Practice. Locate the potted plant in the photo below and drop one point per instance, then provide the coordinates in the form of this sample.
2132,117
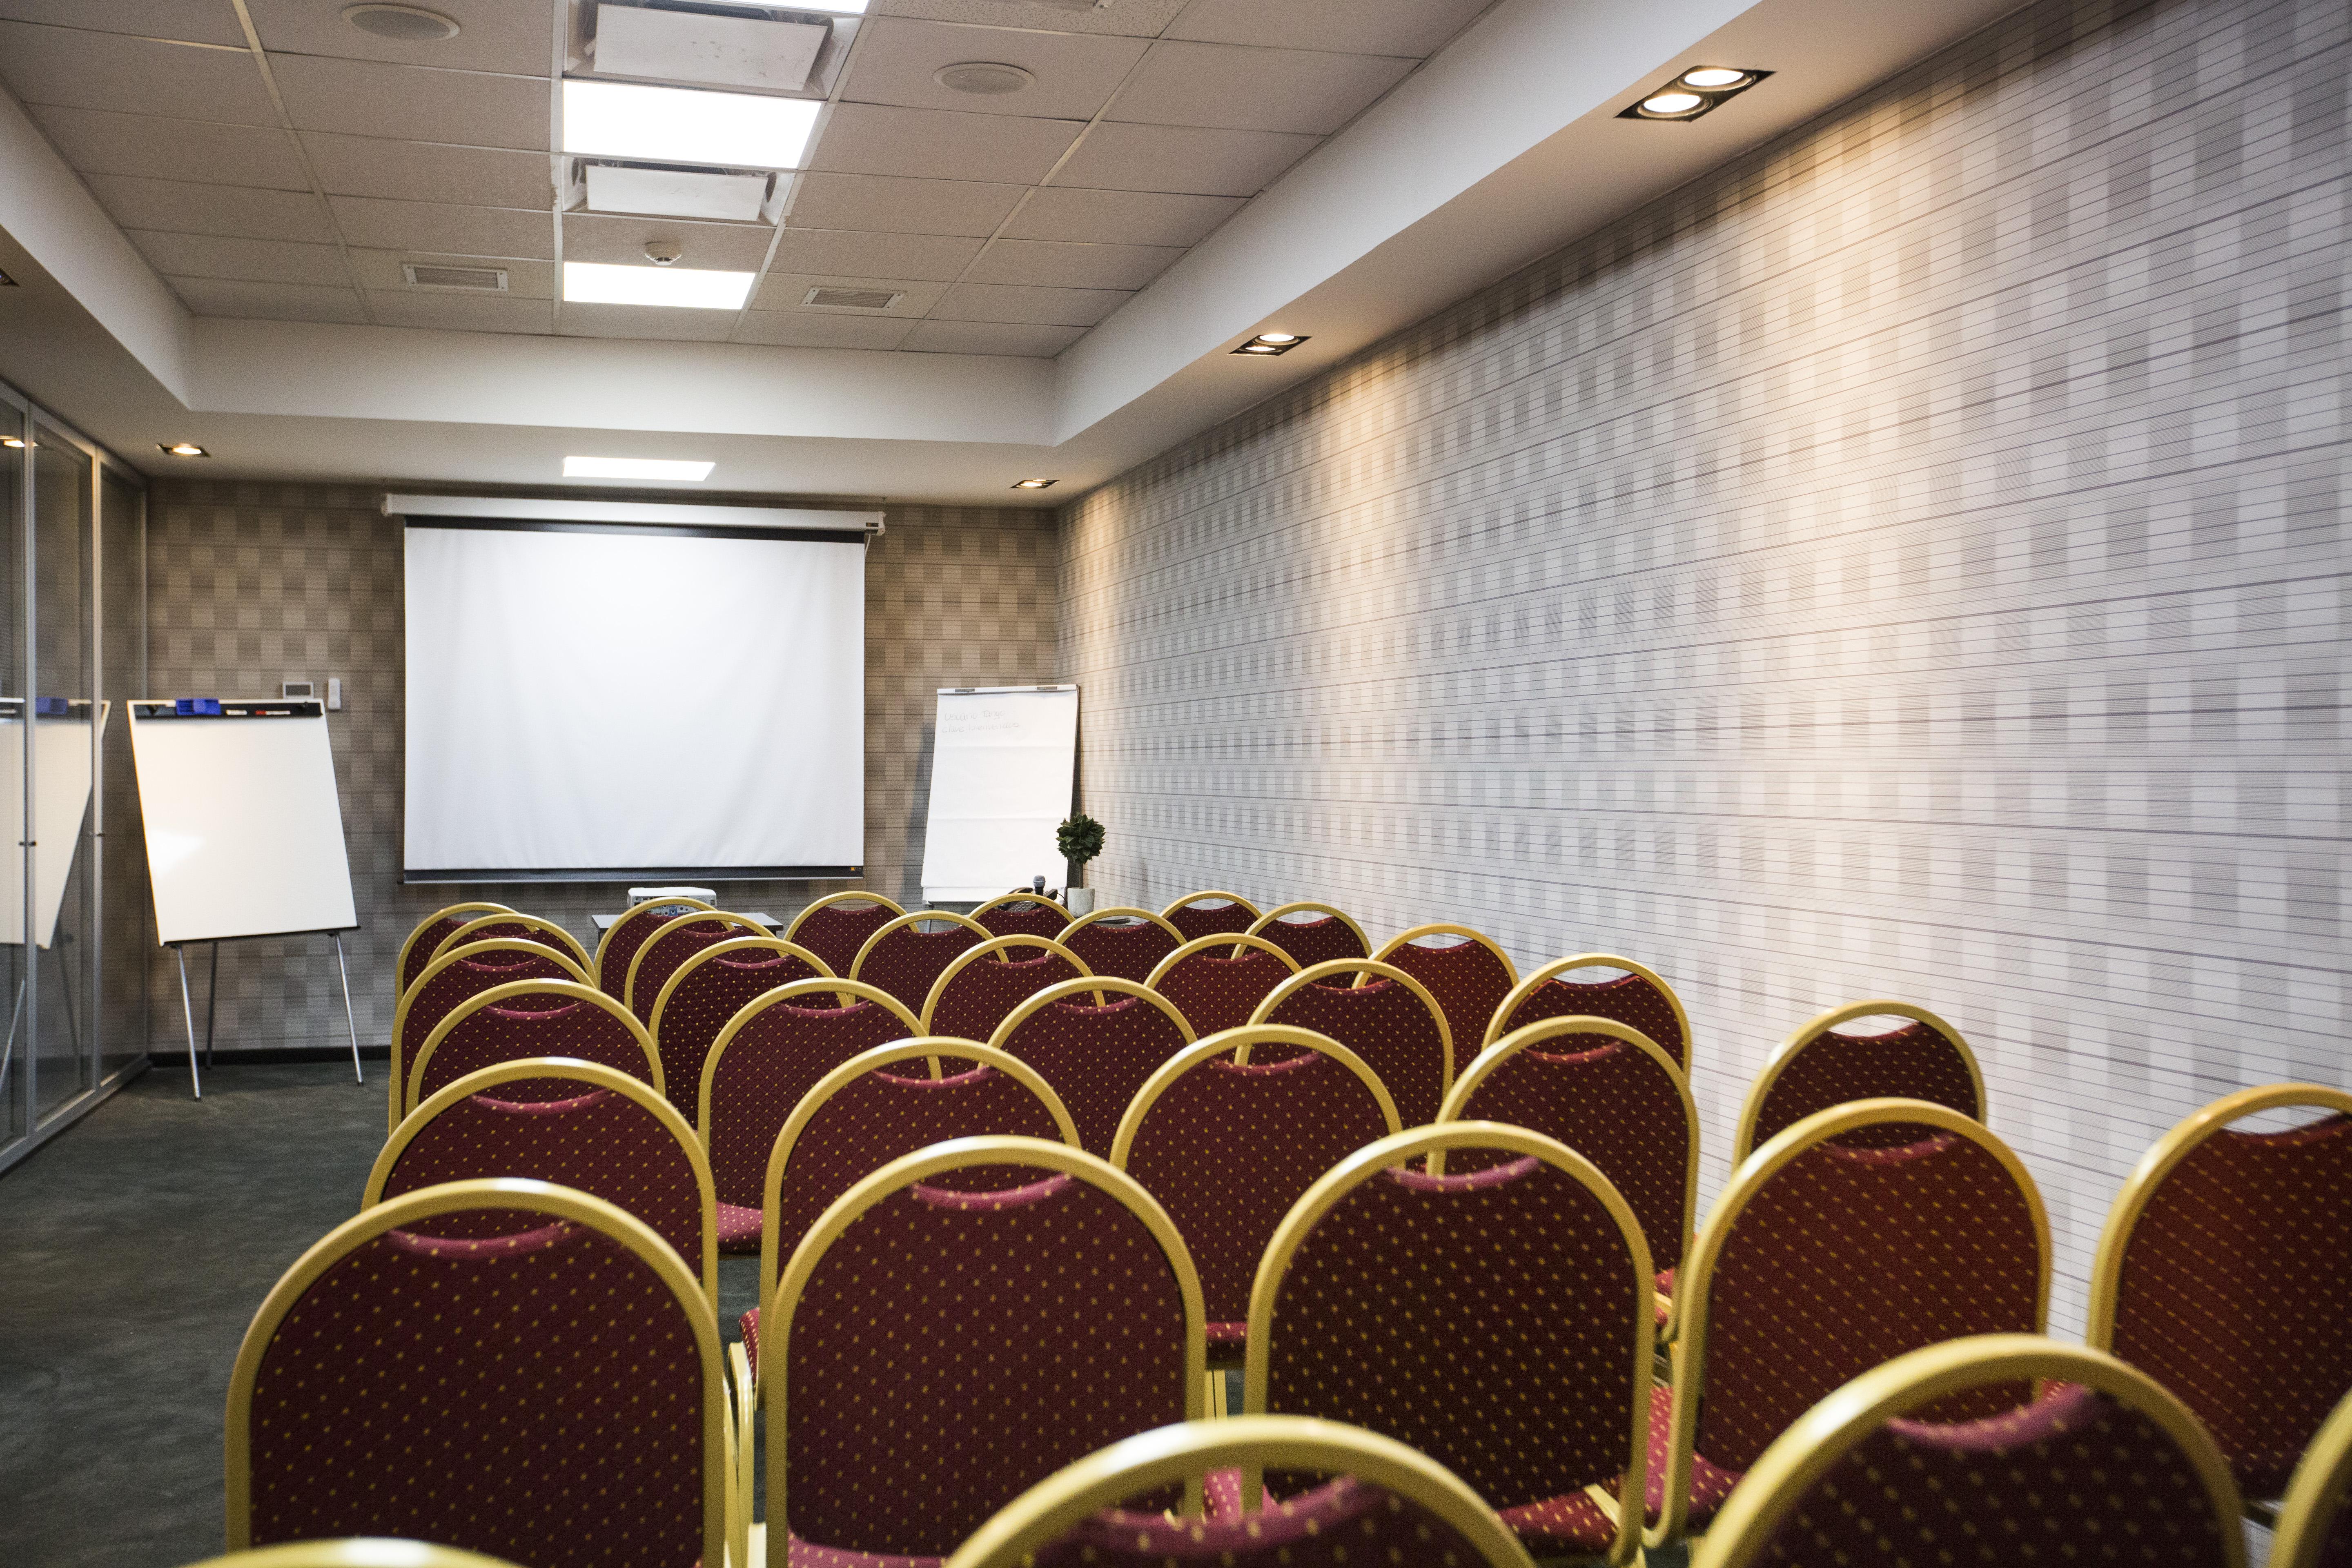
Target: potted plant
1080,839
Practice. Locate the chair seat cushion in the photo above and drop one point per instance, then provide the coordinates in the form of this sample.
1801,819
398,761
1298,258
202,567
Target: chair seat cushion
751,1340
808,1555
1710,1484
1560,1525
1228,1333
739,1229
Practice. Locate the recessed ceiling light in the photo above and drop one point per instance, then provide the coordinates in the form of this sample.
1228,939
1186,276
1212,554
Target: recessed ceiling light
1033,484
16,441
1715,79
180,449
1698,90
635,469
1668,103
1271,343
986,78
402,23
684,125
685,287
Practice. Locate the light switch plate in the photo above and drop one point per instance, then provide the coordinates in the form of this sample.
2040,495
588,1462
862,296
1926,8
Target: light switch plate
334,692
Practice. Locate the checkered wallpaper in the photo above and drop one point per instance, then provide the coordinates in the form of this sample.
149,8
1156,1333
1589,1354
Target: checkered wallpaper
1904,562
251,584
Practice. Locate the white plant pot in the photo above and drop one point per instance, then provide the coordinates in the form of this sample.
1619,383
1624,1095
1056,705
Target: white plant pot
1079,901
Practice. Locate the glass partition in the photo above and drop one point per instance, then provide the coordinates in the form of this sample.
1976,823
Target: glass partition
63,770
124,939
16,1121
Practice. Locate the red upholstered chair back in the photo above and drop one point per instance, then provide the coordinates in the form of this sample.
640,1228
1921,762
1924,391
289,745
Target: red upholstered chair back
983,984
532,1019
1639,998
1312,933
450,980
424,941
1017,915
1619,1103
1822,1064
772,1054
707,991
836,926
1217,981
624,936
2314,1520
1388,1019
566,1372
671,946
1227,1149
610,1137
1196,915
2225,1270
1129,943
907,961
1468,975
510,924
2103,1466
1096,1057
1537,1262
890,1430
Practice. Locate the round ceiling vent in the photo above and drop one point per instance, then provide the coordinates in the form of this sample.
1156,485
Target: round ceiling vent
985,77
402,23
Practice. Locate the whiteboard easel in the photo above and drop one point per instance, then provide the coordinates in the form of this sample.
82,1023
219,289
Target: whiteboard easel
245,834
1003,762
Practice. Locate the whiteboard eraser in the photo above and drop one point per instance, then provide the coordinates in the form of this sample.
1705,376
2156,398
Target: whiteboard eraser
334,692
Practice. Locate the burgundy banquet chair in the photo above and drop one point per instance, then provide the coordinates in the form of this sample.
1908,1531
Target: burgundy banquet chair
1637,996
907,961
530,1018
1468,974
455,978
1196,915
707,991
1383,1015
1022,914
838,925
1217,981
1821,1064
1129,943
983,984
1312,933
622,939
1096,1041
511,922
669,946
424,940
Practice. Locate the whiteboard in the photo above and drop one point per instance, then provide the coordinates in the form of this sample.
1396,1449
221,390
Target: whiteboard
61,743
245,833
1003,764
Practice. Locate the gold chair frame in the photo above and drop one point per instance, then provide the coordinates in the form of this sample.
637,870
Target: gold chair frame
355,1552
1752,1109
586,1072
408,946
497,993
396,1086
1823,1435
1101,987
1152,1459
1363,969
1201,944
1625,1509
721,949
1445,928
992,948
2320,1491
724,1523
1535,979
1004,899
790,992
1120,912
1304,906
744,923
475,931
604,937
848,896
1169,913
1130,1122
1697,1275
915,918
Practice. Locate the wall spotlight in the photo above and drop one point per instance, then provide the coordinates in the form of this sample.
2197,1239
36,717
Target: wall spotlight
1695,93
1034,484
15,443
180,449
1271,343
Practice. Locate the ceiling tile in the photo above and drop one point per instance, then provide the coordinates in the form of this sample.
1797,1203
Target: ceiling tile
646,321
237,210
1037,307
436,225
939,256
428,170
1063,266
256,260
132,75
1255,90
1119,217
870,138
878,204
990,338
492,35
269,302
821,330
1180,159
368,98
194,21
785,291
1135,18
621,239
97,142
1076,73
462,312
379,270
1414,28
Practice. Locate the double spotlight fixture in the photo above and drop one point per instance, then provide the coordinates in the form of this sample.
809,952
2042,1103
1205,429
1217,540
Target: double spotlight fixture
1271,343
1694,93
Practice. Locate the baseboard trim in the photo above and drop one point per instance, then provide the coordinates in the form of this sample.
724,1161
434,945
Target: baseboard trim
288,1055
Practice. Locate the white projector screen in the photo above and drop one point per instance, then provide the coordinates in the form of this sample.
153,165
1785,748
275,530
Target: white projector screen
600,701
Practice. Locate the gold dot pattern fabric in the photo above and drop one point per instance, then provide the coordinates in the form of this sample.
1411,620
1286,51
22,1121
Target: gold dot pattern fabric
953,1349
1042,918
837,932
977,997
529,1026
705,1002
1096,1057
663,955
424,947
1388,1026
536,1397
1197,921
1125,951
1629,1000
1468,980
1317,941
1345,1523
2236,1291
621,943
907,963
462,981
1214,992
1913,1062
777,1057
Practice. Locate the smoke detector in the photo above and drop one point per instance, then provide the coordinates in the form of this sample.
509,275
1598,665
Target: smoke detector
402,23
988,79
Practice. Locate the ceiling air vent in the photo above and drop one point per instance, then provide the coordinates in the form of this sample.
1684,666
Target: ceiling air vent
466,279
853,299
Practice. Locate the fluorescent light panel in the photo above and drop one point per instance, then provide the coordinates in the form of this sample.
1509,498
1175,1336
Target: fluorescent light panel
635,468
685,287
682,125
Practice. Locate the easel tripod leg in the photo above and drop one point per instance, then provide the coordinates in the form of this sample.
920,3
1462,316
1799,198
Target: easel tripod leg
188,1012
212,1003
349,1021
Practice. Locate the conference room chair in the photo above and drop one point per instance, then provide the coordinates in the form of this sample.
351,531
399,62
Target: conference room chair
1821,1064
1609,1093
451,979
1217,981
670,944
706,991
1228,1149
1638,997
770,1055
607,1135
2105,1465
1022,914
838,925
983,983
1825,1256
348,1416
1097,1041
907,961
2315,1522
1312,933
530,1018
1383,1015
425,940
1469,975
358,1551
510,922
1497,1322
1074,1283
1124,941
2224,1272
622,939
1387,1504
1197,915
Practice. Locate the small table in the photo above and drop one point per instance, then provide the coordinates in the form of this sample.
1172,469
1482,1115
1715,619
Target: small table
604,922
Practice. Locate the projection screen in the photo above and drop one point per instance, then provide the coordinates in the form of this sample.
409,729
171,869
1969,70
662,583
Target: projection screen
600,701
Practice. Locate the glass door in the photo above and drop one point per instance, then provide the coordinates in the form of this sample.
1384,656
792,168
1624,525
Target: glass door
62,907
15,1072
